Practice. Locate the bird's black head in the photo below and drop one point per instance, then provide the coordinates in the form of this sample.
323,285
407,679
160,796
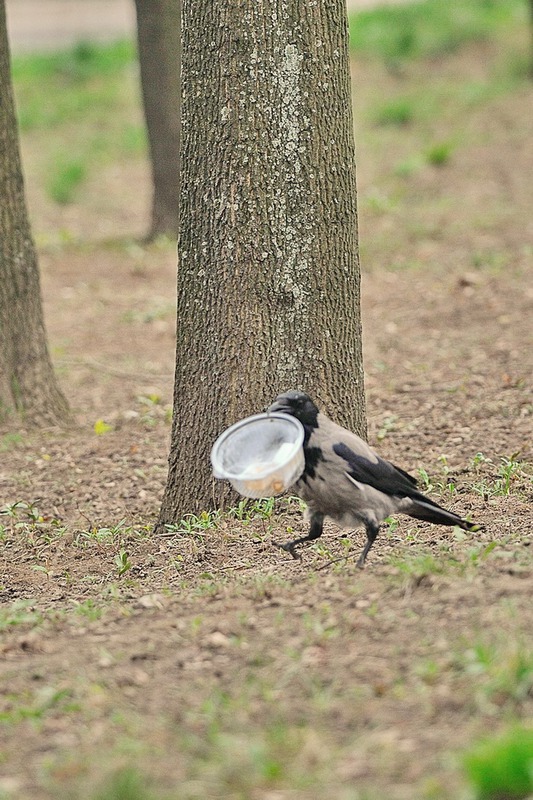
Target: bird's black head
299,405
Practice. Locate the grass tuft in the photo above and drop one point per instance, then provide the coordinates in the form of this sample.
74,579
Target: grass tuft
501,768
127,784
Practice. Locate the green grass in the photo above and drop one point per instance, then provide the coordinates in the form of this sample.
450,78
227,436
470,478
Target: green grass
21,612
430,28
34,705
439,154
56,88
126,784
65,177
510,477
502,670
398,112
501,768
81,106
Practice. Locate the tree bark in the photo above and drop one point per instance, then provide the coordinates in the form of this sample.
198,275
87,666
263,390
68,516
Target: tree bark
268,274
531,38
27,381
159,43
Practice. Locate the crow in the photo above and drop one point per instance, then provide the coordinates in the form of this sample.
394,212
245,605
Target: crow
344,479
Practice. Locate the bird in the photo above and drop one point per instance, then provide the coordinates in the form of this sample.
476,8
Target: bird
345,480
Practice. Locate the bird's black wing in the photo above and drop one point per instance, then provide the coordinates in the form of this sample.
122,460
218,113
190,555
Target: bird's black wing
379,474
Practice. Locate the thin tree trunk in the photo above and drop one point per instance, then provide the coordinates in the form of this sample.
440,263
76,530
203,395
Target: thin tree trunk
268,275
531,38
27,381
159,42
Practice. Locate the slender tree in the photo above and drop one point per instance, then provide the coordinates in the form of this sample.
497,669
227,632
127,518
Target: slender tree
268,274
159,43
531,38
27,381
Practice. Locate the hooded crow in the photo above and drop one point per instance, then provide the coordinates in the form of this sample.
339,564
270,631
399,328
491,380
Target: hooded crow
344,479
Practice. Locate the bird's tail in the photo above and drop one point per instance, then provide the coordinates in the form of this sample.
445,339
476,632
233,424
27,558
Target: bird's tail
428,511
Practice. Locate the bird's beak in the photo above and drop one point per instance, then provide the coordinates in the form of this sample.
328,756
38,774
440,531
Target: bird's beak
278,405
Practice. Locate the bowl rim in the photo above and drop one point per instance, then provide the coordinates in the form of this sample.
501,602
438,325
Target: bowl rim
219,472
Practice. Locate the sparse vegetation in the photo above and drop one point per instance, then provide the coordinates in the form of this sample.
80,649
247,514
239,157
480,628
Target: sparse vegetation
430,28
397,112
501,767
203,661
84,86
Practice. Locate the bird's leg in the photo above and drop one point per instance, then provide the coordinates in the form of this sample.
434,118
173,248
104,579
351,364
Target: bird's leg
315,530
372,530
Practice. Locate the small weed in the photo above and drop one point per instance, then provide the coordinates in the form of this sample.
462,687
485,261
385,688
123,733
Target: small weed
408,167
501,768
21,707
88,609
10,441
112,592
379,203
21,612
23,512
414,570
425,480
195,525
477,554
494,262
45,569
128,784
388,425
444,461
122,560
392,524
397,112
439,154
152,409
479,459
508,478
101,427
503,673
322,550
104,535
509,469
428,671
246,511
65,178
26,519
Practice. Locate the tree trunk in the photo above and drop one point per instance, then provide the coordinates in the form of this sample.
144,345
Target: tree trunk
27,380
268,275
159,42
531,38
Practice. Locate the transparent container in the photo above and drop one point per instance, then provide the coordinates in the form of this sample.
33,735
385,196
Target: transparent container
261,456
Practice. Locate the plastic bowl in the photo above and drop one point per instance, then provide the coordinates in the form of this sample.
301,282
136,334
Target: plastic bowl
261,456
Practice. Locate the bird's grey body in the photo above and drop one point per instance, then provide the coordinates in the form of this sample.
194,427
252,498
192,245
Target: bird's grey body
345,480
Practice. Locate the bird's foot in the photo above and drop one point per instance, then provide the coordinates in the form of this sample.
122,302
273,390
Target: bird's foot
289,547
360,563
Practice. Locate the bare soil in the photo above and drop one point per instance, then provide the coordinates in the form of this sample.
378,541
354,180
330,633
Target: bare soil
216,665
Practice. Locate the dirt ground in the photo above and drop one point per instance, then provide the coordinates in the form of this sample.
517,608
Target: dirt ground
206,659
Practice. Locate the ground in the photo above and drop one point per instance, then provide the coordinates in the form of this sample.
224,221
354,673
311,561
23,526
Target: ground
206,662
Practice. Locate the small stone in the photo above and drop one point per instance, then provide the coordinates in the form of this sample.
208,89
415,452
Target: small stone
218,640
